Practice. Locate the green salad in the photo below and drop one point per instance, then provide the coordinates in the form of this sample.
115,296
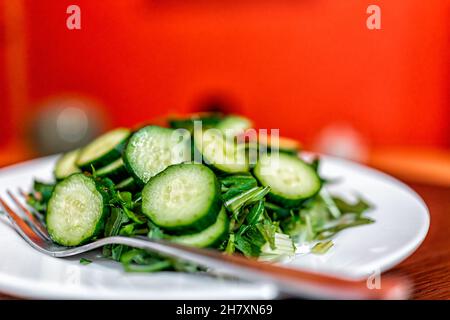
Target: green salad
206,180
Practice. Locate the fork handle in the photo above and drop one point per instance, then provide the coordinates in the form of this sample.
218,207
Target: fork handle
288,280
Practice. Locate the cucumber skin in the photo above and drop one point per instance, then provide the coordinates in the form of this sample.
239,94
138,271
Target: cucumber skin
99,227
132,186
222,237
130,170
286,202
127,164
204,222
117,175
217,241
106,159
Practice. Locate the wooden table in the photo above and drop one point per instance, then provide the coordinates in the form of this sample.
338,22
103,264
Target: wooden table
429,266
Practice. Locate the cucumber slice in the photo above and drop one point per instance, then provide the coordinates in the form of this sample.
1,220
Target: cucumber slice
234,125
76,210
103,150
127,185
152,149
290,179
184,197
65,166
223,154
115,171
209,237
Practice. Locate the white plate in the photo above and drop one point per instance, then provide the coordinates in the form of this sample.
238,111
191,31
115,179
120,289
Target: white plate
401,216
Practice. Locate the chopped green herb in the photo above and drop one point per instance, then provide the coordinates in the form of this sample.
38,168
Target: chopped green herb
330,232
359,207
322,247
250,196
230,248
84,261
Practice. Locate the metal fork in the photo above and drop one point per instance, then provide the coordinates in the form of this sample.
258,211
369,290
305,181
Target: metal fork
290,281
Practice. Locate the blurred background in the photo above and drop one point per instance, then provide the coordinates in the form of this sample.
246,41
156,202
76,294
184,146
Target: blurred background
310,68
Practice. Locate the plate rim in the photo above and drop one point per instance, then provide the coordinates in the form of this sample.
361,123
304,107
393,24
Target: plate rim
424,228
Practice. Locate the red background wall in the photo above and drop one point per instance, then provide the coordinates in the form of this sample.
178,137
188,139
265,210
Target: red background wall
296,65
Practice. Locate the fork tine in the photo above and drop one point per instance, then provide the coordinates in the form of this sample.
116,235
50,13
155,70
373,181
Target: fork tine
22,193
31,213
35,223
20,225
26,196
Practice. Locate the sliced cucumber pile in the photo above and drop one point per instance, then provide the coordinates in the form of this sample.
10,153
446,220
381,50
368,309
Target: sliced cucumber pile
290,179
76,210
196,187
184,197
152,149
65,166
103,150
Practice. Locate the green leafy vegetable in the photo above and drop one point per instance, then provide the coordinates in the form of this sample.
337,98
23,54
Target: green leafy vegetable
112,228
234,185
347,221
277,212
138,260
38,199
251,242
359,207
268,230
283,247
255,213
230,247
250,196
84,261
322,247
